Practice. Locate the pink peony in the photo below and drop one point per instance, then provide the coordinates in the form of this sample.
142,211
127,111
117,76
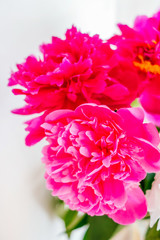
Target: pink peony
71,72
96,158
140,46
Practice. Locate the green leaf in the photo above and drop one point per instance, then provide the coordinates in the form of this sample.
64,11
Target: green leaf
69,217
152,233
101,228
77,222
158,128
147,182
57,206
83,220
86,235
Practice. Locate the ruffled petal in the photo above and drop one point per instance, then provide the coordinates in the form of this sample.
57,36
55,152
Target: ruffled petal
135,207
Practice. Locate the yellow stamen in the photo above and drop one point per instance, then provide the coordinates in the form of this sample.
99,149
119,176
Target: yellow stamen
154,41
146,66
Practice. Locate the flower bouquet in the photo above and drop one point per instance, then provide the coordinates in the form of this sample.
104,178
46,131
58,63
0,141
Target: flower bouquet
98,106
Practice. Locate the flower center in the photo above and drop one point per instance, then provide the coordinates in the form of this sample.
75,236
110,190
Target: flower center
147,66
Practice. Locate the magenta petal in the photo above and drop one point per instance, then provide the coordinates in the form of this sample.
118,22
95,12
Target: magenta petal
114,191
153,118
152,134
36,132
106,161
85,151
135,207
42,79
150,160
135,114
102,112
133,119
116,92
150,101
59,114
138,175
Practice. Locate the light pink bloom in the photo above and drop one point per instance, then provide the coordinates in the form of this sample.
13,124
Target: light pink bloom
72,71
140,46
153,200
96,158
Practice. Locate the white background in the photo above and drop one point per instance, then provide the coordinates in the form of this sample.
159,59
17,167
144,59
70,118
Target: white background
25,204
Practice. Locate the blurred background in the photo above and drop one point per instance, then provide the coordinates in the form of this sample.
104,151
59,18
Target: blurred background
26,210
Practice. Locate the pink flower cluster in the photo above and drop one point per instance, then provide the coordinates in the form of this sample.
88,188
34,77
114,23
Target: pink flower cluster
73,71
140,46
98,148
97,157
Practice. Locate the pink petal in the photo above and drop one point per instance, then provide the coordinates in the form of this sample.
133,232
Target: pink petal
59,114
114,191
135,207
133,124
116,91
150,160
36,132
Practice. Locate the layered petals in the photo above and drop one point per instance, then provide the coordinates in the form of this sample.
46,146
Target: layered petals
140,47
94,163
76,70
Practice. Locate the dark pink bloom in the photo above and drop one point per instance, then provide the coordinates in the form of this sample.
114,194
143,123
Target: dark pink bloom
140,46
71,72
96,158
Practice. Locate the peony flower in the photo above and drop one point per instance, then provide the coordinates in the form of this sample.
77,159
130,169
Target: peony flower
96,158
153,197
71,72
140,46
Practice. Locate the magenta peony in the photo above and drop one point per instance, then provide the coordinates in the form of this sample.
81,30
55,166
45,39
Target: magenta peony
140,46
73,71
96,158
